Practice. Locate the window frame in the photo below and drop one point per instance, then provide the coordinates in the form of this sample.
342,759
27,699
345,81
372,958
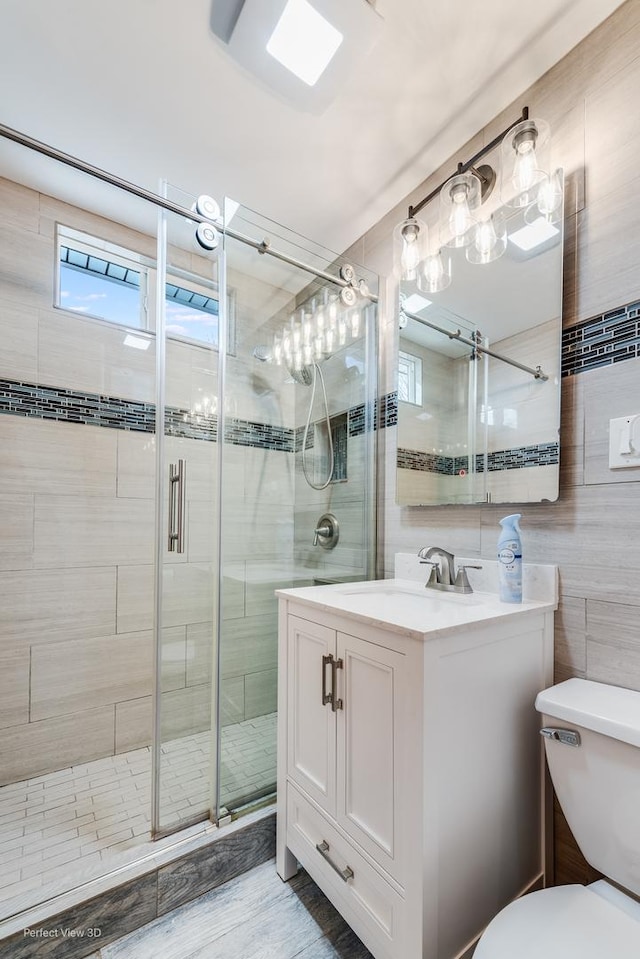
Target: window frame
413,376
67,236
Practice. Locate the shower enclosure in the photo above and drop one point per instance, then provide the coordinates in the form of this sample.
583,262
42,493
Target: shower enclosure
153,498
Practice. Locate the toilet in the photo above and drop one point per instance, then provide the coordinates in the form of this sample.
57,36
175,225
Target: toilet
592,741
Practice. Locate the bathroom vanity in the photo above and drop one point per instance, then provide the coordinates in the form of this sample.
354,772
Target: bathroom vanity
410,774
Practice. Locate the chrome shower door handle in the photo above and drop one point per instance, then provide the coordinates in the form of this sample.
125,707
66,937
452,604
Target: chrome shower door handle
177,474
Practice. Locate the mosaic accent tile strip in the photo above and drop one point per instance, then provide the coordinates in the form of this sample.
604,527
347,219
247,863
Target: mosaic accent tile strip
260,435
602,340
93,409
385,413
543,454
426,462
70,406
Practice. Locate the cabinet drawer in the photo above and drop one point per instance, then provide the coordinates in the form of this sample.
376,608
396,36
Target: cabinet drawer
369,904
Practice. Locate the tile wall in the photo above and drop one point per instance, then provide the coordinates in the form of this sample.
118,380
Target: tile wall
591,532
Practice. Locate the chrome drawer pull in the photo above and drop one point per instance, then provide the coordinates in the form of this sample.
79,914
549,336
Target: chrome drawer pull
326,697
323,848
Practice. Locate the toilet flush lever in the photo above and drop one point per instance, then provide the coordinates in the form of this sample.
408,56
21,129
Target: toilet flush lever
570,737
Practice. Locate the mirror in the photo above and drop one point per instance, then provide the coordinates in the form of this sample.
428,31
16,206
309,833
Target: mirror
472,427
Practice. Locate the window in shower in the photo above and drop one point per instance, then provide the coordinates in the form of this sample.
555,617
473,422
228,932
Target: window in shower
102,281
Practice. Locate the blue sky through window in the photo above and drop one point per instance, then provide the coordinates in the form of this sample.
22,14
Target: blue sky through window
95,295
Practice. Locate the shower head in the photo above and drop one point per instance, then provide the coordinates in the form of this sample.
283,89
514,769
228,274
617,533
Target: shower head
303,375
262,353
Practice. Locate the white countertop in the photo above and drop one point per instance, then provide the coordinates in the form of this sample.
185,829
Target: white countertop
406,607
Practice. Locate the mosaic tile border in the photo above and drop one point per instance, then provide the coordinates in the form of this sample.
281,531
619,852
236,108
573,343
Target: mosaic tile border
93,409
521,457
602,340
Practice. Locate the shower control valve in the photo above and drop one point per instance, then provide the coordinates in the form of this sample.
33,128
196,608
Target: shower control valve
327,532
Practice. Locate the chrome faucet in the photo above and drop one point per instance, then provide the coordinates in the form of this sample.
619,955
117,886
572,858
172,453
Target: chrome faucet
443,575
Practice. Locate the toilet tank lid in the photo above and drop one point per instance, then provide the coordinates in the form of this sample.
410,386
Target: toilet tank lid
610,710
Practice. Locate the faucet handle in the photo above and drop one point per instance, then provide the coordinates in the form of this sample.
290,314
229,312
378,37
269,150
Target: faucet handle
434,579
462,580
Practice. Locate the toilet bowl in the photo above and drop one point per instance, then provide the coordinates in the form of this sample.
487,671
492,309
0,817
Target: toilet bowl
592,742
564,922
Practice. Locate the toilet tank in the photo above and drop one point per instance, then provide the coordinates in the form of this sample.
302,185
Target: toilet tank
598,782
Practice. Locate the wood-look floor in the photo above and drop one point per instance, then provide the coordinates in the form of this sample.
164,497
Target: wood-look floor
256,916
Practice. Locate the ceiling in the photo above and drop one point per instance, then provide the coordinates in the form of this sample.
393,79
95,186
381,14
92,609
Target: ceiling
143,89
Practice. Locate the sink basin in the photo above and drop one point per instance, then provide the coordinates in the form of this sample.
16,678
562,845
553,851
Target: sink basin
394,592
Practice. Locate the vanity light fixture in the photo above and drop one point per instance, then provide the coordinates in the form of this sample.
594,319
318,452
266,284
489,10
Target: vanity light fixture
463,222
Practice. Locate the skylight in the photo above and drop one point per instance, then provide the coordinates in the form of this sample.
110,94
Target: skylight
534,234
415,303
303,41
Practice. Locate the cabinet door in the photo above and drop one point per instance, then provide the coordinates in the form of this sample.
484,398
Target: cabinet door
311,732
371,770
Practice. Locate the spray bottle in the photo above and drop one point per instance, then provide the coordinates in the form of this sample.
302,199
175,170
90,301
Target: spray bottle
510,560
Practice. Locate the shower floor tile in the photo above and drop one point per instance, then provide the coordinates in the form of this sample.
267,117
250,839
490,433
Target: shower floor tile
72,824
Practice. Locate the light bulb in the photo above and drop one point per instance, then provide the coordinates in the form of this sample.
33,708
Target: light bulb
486,238
286,345
549,195
307,331
329,337
489,241
410,256
526,162
460,218
277,349
307,352
296,334
435,274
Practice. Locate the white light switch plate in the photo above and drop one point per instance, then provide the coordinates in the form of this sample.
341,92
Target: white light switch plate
624,442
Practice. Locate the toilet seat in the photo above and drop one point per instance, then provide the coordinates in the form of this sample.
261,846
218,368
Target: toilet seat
563,922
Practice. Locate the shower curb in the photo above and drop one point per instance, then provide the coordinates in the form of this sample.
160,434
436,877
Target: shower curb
81,930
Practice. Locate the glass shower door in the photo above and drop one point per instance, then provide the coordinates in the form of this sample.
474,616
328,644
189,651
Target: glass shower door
269,510
186,584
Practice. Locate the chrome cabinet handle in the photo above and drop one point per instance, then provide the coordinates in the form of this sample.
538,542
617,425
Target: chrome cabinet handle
335,703
335,664
345,874
177,474
326,697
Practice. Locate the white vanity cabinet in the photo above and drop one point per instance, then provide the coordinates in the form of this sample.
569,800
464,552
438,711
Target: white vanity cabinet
347,724
410,776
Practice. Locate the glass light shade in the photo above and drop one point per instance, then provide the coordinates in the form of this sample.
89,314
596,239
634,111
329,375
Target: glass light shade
489,240
525,161
435,273
459,198
410,247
